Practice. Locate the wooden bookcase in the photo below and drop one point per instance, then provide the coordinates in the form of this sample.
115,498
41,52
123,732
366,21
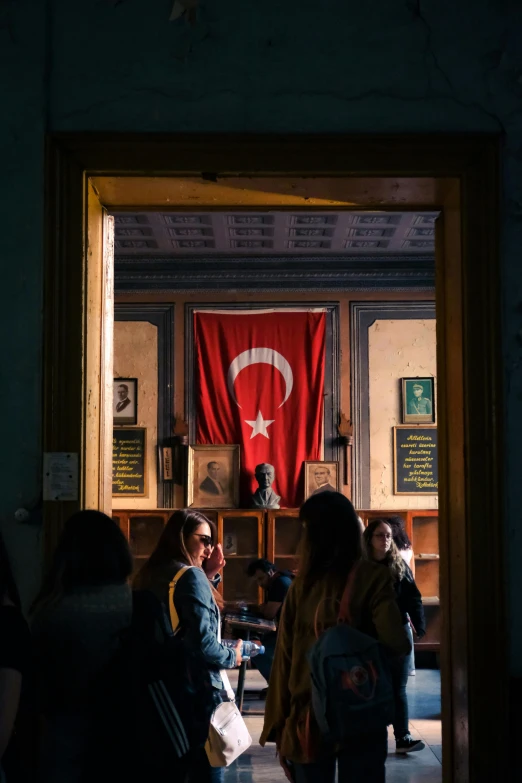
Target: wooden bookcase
283,531
275,535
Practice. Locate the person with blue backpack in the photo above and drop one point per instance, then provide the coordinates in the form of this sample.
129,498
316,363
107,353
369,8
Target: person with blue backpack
330,697
381,548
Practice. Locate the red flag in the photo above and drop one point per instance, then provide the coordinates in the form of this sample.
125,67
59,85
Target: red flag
259,383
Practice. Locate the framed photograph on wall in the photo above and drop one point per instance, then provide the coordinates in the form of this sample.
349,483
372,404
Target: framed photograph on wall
125,401
321,477
418,400
213,476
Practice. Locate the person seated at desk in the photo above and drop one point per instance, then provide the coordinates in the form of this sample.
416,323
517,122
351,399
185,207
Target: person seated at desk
276,585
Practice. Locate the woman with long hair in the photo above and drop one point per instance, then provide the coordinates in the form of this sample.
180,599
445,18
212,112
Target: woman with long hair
189,538
403,544
381,549
14,664
330,549
77,619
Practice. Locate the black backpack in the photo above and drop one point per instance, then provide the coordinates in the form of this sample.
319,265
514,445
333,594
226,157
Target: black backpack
153,703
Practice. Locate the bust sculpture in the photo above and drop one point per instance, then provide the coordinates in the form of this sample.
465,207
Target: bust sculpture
264,496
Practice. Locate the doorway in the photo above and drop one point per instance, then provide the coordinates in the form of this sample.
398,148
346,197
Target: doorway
458,176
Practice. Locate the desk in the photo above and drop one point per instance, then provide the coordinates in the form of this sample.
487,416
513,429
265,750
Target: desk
246,625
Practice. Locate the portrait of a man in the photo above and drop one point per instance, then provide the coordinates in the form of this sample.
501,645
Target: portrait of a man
321,477
125,403
418,401
213,476
213,481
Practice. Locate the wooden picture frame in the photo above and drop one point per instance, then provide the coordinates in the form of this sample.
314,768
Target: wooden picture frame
125,402
418,400
213,476
415,465
326,480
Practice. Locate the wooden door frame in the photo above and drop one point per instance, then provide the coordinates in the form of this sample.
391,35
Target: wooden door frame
464,171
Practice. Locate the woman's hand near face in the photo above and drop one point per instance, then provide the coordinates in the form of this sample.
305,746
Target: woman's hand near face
215,562
238,647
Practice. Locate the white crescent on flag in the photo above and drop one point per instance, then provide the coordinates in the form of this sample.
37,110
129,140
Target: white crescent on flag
260,356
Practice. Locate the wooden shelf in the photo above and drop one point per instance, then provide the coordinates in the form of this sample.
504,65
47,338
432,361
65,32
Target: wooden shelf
433,600
427,557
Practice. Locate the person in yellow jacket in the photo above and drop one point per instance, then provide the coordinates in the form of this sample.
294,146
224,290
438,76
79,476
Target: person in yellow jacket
330,547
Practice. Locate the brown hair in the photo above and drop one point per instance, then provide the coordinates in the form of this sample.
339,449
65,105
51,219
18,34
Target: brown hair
329,557
393,558
171,546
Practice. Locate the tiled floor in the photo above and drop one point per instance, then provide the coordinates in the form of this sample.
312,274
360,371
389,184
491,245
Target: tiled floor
259,765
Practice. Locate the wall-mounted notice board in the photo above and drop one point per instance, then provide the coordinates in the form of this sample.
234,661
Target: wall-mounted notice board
129,462
415,460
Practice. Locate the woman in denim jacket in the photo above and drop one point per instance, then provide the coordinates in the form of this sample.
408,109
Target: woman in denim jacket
189,538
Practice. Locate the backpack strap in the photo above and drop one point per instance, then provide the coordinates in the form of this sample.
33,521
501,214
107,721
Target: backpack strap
345,612
174,617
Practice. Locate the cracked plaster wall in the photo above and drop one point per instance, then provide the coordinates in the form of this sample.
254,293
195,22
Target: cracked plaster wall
396,349
298,66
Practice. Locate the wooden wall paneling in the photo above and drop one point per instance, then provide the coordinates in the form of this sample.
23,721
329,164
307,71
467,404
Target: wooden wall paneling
162,317
362,316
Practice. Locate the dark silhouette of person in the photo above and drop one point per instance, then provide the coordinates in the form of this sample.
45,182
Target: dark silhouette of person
211,483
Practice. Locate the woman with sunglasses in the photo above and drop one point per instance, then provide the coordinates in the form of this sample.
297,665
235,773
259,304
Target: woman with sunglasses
189,538
381,548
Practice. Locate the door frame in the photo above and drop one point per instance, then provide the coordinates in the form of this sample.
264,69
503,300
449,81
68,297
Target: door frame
458,174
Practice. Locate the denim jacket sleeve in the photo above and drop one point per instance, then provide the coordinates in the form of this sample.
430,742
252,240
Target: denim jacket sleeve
198,619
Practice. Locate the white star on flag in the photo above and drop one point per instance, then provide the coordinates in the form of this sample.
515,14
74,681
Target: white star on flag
259,426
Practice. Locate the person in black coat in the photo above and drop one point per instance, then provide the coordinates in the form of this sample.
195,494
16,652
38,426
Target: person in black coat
380,547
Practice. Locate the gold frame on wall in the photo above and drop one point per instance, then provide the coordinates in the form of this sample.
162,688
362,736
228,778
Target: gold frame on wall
456,174
233,467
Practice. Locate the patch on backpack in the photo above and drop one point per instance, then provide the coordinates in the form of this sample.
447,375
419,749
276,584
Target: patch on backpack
356,676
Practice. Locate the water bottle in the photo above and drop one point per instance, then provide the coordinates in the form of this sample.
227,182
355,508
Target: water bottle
248,650
251,649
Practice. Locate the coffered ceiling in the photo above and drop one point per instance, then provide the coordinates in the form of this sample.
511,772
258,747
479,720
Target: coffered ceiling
153,234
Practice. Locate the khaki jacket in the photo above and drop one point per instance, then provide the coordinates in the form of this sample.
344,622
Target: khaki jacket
374,611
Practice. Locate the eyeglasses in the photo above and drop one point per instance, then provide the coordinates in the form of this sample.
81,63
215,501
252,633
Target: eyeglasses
206,540
387,536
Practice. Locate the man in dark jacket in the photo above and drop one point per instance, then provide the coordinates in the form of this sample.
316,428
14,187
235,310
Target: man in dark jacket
276,585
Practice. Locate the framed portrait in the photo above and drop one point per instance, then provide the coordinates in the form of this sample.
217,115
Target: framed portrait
230,544
125,401
418,400
321,477
213,476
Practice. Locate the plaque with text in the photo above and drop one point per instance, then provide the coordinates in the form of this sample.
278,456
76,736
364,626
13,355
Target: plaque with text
129,461
415,461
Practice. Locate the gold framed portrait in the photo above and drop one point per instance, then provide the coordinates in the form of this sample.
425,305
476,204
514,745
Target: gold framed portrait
213,476
320,477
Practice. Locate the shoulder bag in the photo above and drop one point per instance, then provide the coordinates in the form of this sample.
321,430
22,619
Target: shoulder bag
228,736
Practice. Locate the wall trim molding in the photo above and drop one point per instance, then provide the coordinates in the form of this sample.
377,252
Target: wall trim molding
161,316
362,316
166,274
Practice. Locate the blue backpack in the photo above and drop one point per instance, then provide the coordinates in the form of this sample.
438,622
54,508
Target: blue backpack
351,684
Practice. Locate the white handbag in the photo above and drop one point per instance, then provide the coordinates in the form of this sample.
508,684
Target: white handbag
228,736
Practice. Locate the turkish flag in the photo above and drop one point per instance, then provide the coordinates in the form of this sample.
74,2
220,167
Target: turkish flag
259,383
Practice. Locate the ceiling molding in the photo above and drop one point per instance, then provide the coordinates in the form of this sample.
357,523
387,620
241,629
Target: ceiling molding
369,273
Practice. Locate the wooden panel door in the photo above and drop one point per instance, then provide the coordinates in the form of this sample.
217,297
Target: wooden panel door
241,534
283,534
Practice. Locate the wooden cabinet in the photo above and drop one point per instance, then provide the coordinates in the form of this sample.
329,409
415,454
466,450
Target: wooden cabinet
282,538
244,531
251,533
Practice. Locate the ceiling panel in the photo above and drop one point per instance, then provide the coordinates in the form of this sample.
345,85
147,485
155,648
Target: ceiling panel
161,234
